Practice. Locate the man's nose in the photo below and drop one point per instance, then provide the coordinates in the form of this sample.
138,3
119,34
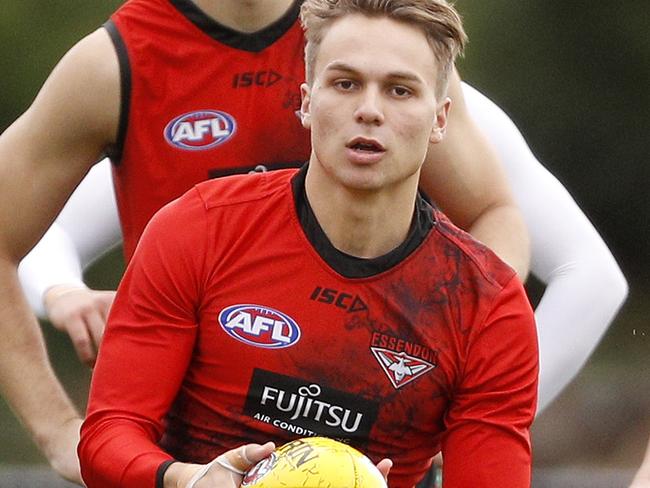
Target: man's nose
369,109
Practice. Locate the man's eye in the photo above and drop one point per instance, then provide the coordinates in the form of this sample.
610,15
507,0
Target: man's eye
344,84
401,91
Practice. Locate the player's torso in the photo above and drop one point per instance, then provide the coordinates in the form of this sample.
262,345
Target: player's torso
204,102
370,360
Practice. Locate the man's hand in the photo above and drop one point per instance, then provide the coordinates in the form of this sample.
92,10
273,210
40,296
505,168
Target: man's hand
81,313
225,471
61,450
384,467
228,469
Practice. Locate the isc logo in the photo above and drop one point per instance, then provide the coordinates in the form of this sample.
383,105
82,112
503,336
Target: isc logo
257,78
351,303
259,326
199,130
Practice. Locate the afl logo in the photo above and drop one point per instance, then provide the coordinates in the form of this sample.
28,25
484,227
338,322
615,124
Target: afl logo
259,326
199,130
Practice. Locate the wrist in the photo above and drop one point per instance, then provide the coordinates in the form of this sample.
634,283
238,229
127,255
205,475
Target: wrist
178,474
53,293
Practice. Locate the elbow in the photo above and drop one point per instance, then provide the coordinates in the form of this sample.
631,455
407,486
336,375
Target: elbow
609,285
82,454
623,289
616,283
92,460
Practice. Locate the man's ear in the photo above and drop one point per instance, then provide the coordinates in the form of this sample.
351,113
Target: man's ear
305,93
440,122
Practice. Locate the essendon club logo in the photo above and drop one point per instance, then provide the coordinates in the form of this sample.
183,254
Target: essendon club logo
401,360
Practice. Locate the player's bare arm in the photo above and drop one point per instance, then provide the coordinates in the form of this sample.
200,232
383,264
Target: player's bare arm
464,177
43,156
51,274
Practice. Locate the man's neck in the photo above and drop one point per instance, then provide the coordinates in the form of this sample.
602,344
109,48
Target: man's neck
361,223
245,15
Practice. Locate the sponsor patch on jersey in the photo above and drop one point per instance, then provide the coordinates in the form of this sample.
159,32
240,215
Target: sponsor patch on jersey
304,408
259,326
402,361
200,130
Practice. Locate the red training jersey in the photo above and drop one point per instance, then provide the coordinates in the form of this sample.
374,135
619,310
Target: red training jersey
237,321
200,100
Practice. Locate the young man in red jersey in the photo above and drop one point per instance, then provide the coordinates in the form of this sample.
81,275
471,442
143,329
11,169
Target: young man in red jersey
332,300
175,97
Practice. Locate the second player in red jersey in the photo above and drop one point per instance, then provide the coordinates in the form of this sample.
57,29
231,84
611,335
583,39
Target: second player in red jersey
223,120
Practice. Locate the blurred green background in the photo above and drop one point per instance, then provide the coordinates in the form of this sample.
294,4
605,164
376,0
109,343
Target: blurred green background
574,75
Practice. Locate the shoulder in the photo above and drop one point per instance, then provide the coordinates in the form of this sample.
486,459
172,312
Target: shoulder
86,84
191,211
238,190
215,211
186,213
476,257
95,58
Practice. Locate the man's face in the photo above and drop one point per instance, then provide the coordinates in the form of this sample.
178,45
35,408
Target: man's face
372,106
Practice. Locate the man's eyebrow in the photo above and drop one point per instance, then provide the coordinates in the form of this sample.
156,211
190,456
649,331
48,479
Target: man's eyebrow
405,76
341,66
393,75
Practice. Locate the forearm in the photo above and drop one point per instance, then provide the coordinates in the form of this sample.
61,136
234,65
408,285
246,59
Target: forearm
120,435
119,451
585,290
87,227
53,261
152,326
90,217
26,377
585,287
488,438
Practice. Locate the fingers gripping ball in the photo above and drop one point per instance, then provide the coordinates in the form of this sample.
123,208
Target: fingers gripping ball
314,462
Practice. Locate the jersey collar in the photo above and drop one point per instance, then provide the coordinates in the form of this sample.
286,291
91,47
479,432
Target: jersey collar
253,42
351,266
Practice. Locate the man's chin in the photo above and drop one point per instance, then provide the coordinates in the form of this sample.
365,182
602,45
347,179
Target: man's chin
363,180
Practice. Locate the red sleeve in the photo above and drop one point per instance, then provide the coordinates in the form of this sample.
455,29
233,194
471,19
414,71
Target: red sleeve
146,349
487,442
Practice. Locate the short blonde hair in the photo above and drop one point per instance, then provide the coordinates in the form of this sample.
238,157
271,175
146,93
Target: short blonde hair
437,19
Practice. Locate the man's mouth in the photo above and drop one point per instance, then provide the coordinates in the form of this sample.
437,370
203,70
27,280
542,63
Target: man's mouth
366,145
365,151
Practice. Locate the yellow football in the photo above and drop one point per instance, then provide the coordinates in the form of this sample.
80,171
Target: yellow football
314,462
